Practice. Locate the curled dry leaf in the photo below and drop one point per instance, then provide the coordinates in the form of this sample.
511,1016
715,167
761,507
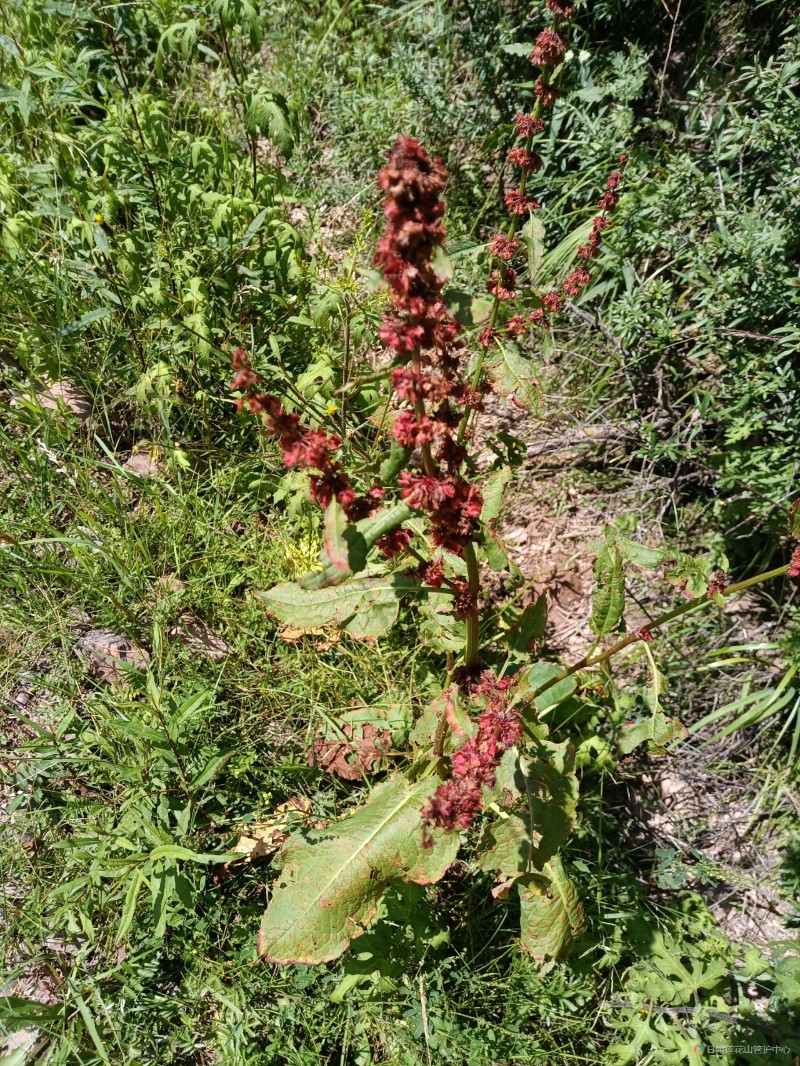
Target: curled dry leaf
265,838
362,752
293,635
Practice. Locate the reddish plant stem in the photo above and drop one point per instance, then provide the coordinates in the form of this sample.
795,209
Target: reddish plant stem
702,601
473,620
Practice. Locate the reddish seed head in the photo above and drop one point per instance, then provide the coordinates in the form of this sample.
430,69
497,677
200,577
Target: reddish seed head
519,203
457,802
549,49
716,584
794,563
527,125
527,161
501,283
504,247
546,93
487,336
576,281
394,542
560,10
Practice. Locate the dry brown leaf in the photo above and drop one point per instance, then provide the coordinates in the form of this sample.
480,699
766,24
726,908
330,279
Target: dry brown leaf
267,837
360,753
171,583
292,635
142,464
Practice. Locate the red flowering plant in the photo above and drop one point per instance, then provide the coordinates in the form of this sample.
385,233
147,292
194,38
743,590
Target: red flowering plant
484,770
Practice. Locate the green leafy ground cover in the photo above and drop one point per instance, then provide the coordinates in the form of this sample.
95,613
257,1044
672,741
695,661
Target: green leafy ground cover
180,178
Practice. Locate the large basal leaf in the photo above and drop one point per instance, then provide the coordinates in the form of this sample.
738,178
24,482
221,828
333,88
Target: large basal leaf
365,607
329,888
543,789
608,598
551,914
513,375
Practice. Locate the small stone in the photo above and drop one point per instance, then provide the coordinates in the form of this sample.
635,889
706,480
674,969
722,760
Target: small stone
108,654
142,464
170,583
200,637
71,396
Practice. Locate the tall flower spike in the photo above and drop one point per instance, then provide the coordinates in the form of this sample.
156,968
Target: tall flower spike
424,337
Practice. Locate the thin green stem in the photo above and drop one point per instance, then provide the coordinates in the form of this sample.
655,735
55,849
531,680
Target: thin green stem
685,608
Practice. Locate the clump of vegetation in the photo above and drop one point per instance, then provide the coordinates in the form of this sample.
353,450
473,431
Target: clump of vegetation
295,681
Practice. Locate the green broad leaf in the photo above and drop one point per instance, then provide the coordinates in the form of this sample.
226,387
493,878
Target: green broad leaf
254,227
539,674
690,574
523,840
366,607
268,114
371,529
447,706
442,263
494,489
533,236
656,731
495,551
100,241
530,626
330,886
608,598
394,462
466,309
84,321
345,547
639,555
513,375
522,48
551,914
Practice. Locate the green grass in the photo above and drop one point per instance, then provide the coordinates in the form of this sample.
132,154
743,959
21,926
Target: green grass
139,245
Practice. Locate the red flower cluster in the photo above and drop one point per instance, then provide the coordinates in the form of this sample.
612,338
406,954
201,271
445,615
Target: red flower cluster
527,125
423,334
519,203
578,279
306,448
794,563
455,803
549,49
716,584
